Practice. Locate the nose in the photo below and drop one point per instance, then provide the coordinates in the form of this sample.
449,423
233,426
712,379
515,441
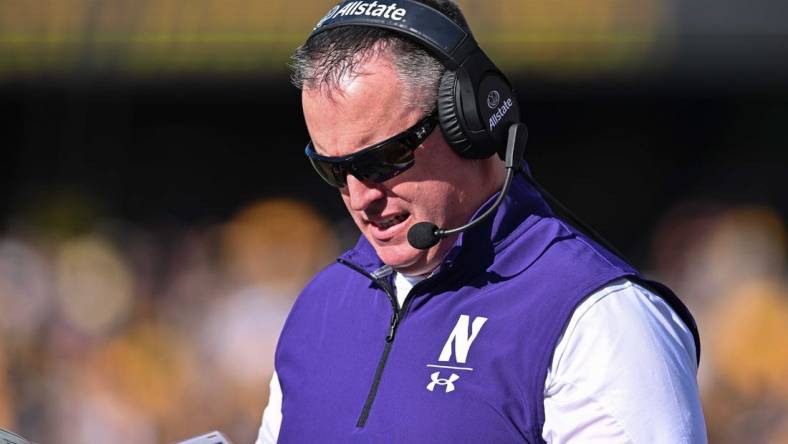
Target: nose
362,195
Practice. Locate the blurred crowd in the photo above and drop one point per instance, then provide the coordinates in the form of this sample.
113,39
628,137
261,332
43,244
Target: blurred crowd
154,37
117,333
729,265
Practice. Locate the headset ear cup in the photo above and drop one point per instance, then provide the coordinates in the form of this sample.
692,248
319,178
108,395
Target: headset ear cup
448,114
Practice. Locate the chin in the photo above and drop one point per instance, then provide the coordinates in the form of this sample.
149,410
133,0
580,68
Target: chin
401,257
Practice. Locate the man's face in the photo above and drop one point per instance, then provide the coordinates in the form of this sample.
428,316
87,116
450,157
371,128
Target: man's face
441,187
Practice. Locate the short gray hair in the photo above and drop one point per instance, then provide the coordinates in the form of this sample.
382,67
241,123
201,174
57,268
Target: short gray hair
327,58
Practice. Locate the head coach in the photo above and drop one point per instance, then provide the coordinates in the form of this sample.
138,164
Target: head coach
468,311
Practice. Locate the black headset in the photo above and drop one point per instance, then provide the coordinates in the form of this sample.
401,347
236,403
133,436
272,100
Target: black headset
476,103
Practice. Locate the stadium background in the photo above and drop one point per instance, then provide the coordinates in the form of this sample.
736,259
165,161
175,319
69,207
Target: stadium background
157,216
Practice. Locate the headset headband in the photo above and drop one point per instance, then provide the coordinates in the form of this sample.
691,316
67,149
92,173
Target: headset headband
448,42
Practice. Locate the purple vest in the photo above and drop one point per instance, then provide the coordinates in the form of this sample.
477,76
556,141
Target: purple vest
465,359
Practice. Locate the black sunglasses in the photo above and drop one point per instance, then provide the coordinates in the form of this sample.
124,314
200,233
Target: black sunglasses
376,163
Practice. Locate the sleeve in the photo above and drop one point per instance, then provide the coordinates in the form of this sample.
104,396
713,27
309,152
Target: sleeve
624,371
272,415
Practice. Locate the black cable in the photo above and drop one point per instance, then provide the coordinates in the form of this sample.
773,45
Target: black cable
570,217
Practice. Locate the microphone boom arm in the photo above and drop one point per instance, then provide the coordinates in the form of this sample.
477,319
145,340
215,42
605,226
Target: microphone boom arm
515,150
424,235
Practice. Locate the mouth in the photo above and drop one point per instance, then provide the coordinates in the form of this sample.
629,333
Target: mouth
385,228
388,222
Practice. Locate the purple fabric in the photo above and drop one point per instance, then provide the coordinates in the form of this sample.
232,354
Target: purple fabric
526,281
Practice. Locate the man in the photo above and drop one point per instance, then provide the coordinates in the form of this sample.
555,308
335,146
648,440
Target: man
520,329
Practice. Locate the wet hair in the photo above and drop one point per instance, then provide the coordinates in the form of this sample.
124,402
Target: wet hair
331,56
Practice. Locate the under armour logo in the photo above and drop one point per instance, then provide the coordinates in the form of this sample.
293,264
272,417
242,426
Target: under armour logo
437,380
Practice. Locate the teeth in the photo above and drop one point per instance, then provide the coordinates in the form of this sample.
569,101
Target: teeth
390,221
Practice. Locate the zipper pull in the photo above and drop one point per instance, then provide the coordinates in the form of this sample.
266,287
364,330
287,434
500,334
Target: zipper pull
393,327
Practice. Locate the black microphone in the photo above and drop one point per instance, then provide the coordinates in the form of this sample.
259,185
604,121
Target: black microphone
425,235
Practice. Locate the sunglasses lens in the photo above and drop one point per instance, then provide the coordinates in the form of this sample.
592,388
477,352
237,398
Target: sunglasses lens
383,163
333,173
377,163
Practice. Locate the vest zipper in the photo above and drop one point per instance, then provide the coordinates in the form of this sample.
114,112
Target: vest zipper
393,327
395,320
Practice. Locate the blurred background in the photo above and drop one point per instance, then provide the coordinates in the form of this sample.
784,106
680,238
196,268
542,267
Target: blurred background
158,218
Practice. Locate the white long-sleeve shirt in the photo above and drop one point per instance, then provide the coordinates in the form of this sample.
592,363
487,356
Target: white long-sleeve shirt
593,392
